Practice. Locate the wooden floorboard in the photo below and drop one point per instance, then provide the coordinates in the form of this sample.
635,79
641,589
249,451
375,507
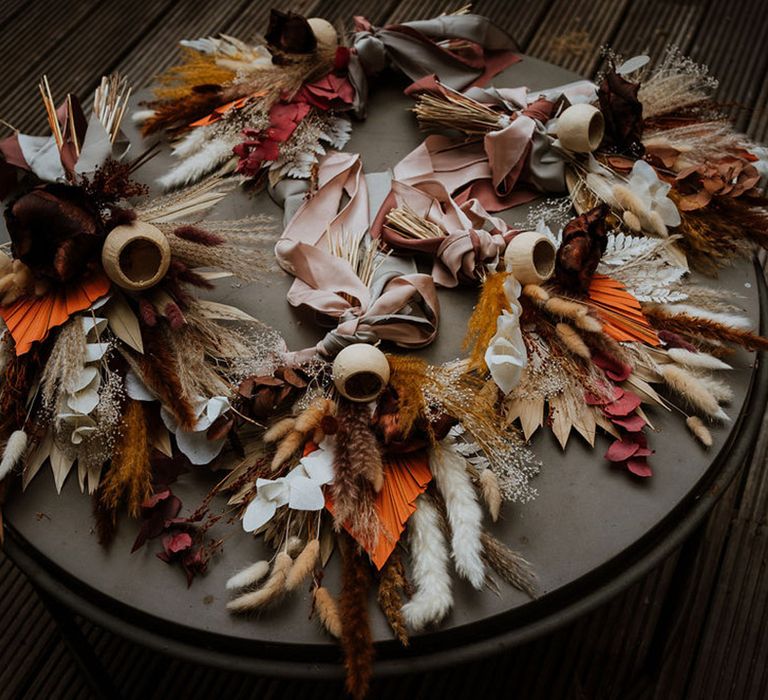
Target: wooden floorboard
723,43
571,34
697,627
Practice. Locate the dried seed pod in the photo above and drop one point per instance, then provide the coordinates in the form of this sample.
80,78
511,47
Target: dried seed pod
530,257
137,256
580,128
360,372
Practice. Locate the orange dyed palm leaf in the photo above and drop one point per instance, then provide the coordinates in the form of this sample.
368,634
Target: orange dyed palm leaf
30,319
619,311
405,478
220,111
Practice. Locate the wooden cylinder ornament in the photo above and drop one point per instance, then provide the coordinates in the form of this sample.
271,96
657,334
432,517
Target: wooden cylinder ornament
580,128
324,32
530,257
136,256
360,372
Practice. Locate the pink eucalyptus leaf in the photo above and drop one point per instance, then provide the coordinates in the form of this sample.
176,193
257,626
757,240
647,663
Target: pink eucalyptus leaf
639,467
621,450
623,406
633,423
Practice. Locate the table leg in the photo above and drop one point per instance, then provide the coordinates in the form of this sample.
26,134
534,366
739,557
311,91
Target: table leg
95,674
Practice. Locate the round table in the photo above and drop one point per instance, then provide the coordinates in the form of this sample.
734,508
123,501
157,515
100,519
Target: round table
591,531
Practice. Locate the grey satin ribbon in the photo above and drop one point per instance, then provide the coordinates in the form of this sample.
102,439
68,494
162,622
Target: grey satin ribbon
546,165
384,47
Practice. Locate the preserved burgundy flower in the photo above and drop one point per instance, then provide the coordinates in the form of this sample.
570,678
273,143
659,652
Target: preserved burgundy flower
266,394
55,231
290,32
623,114
584,242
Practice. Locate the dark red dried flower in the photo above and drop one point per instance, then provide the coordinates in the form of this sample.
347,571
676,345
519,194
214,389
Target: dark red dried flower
584,242
290,32
147,312
267,394
623,114
56,231
112,183
194,234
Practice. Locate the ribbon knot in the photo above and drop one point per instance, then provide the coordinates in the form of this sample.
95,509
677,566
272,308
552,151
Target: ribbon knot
402,308
474,239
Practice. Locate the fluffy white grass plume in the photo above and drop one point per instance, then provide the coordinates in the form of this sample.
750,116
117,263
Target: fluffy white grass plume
696,359
13,453
141,115
718,388
690,387
213,154
432,598
192,141
733,320
249,576
465,516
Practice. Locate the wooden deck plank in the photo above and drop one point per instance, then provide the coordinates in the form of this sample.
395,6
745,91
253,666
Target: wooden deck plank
11,9
572,32
727,43
735,624
664,22
102,34
22,32
343,11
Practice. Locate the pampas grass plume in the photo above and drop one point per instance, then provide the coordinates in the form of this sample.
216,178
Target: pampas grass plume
696,359
632,222
629,201
565,308
13,453
287,447
432,598
719,389
657,224
695,392
310,418
589,324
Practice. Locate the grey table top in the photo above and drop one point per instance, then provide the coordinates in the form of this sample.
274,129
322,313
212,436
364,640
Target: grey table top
586,514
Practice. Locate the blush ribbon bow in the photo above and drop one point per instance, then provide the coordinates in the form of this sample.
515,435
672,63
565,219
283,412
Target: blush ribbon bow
402,308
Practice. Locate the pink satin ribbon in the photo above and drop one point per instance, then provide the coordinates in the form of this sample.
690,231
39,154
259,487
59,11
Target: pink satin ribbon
474,239
491,171
328,285
462,167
